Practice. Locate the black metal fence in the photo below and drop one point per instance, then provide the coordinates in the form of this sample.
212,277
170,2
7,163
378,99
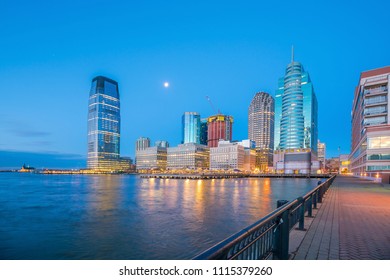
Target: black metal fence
270,235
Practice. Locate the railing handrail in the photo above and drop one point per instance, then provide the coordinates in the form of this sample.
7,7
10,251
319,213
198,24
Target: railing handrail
316,188
220,247
225,245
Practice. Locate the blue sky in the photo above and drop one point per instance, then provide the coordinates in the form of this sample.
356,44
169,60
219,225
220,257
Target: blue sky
227,50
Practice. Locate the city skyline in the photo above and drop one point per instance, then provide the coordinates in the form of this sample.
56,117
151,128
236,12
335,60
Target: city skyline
230,61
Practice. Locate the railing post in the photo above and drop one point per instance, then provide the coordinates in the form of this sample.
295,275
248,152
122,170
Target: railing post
309,210
301,201
319,195
281,237
315,199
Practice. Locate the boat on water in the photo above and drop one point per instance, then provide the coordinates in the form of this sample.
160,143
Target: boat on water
26,168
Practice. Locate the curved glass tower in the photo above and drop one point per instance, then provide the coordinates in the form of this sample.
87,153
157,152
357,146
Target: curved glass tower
296,111
103,124
292,121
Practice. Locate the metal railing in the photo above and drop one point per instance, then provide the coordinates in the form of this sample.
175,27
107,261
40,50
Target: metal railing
270,235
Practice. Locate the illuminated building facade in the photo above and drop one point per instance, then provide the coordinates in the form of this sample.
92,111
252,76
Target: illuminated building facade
219,127
296,122
296,110
261,128
188,156
152,158
103,124
250,154
321,150
344,164
227,156
370,145
190,128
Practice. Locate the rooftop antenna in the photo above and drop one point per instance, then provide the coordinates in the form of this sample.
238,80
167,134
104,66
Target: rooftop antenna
292,53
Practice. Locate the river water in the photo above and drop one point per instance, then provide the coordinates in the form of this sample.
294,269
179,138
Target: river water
128,217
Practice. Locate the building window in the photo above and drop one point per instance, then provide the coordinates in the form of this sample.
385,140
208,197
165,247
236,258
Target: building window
375,120
378,142
378,168
378,157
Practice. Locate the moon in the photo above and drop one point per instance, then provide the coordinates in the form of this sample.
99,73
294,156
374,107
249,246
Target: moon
166,84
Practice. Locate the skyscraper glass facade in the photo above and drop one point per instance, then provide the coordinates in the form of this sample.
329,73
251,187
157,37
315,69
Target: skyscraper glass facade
296,111
190,128
261,128
203,131
103,124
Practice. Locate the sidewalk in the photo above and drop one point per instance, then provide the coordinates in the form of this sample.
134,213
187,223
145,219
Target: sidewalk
353,222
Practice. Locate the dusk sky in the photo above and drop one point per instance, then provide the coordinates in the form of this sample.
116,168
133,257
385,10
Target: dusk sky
227,50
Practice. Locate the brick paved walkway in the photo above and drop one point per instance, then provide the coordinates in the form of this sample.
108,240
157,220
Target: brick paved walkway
353,222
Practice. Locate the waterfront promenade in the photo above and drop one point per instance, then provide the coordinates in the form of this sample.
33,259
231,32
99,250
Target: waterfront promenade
353,223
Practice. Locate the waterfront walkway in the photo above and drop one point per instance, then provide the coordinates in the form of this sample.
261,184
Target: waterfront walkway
353,222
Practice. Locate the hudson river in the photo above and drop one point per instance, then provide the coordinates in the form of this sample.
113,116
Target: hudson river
127,217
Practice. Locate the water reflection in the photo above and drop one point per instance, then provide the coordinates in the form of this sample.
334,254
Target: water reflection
127,217
104,192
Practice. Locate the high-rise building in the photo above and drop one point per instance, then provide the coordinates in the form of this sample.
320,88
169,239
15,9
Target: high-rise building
296,117
190,128
261,128
219,127
142,143
103,124
370,145
296,110
203,131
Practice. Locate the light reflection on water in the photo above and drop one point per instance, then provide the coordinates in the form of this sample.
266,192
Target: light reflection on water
127,217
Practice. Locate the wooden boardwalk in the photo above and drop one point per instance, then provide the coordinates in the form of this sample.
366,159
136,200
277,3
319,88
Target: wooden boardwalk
353,222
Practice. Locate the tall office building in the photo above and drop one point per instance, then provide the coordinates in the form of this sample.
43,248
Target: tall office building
261,128
296,110
296,122
219,127
203,131
103,124
370,145
142,143
190,128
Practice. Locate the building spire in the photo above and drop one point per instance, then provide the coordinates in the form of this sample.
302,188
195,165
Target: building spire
292,53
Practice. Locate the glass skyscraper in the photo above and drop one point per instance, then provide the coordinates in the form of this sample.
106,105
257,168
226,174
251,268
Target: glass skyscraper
203,131
103,124
296,111
261,128
190,128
